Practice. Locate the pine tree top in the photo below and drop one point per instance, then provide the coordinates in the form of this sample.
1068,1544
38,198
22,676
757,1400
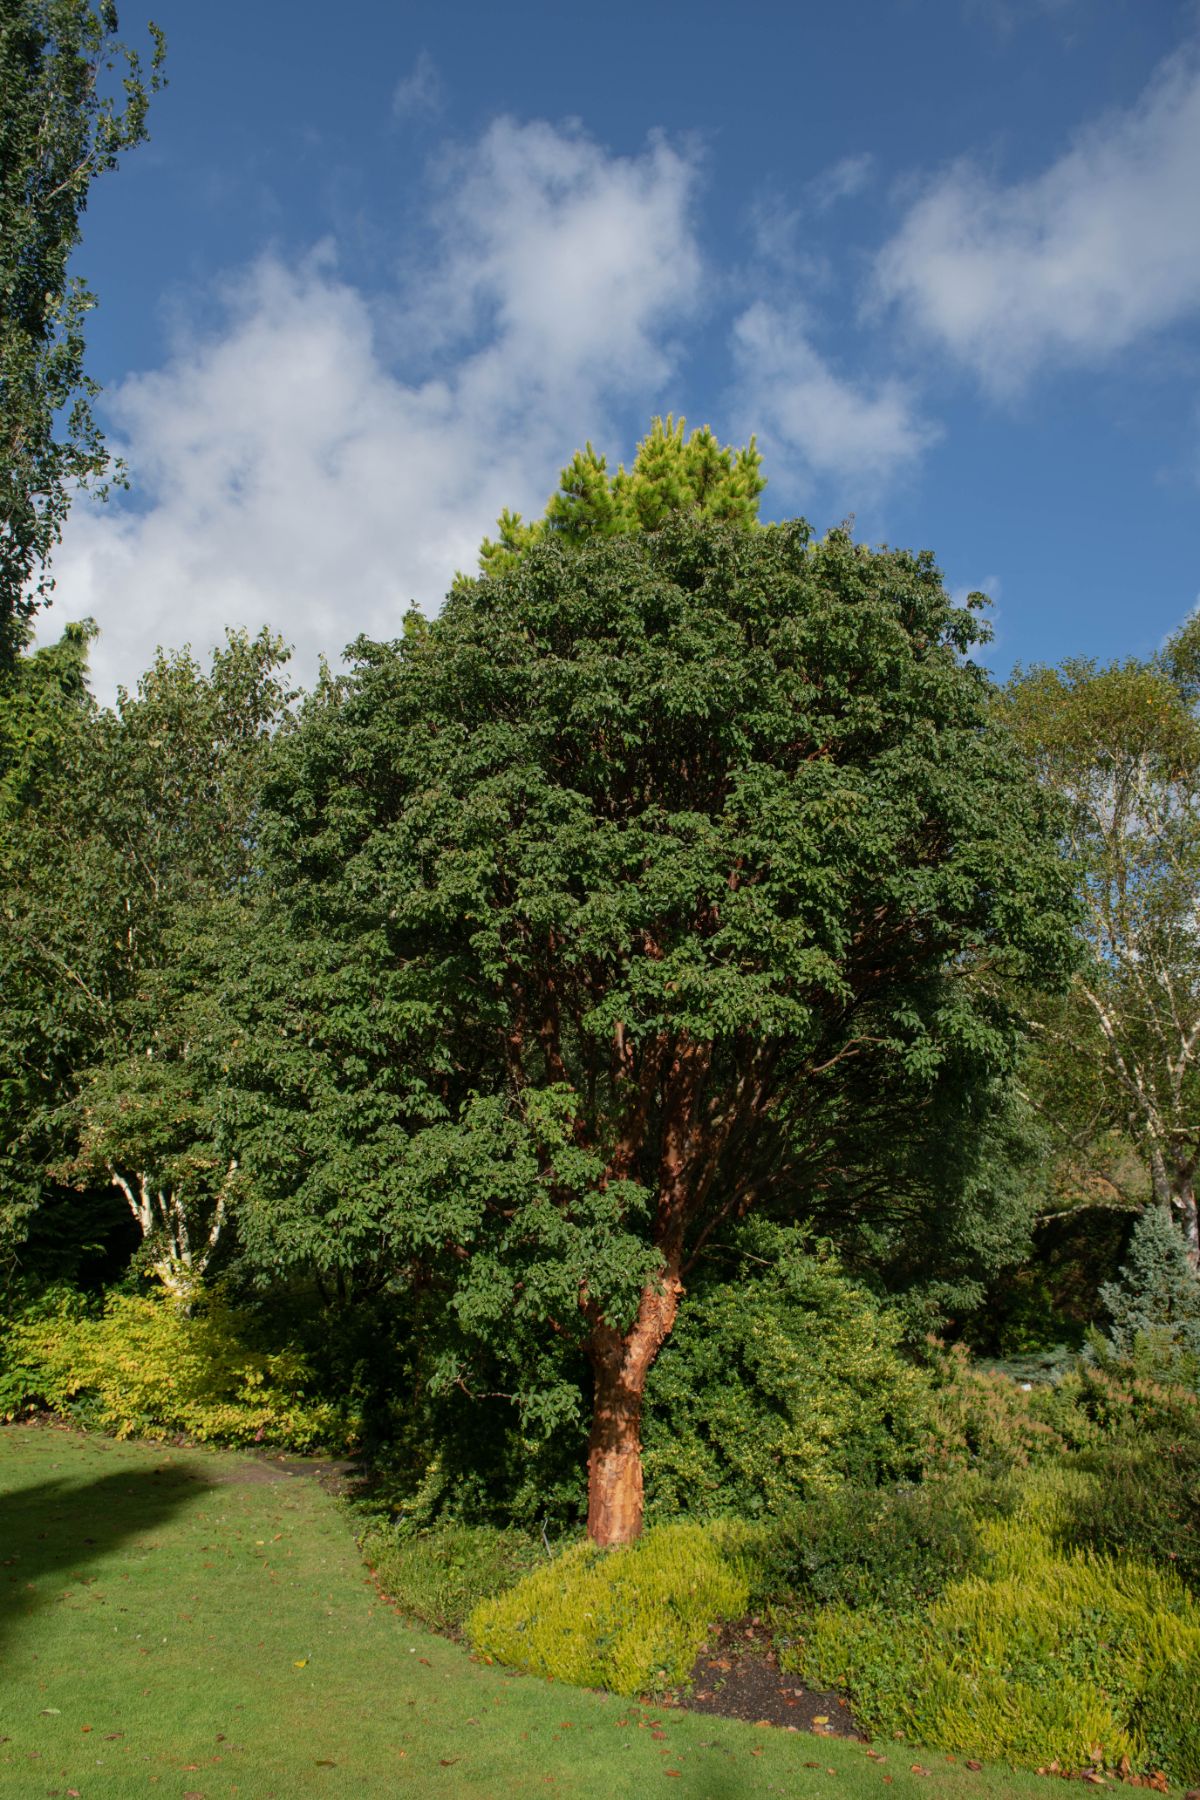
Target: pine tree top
671,473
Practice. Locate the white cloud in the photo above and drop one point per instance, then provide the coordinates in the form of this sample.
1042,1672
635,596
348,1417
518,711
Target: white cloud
292,472
840,181
780,225
1072,265
857,438
418,94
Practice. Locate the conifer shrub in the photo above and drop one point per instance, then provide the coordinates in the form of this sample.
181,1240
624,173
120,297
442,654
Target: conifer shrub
789,1381
1154,1306
142,1366
630,1620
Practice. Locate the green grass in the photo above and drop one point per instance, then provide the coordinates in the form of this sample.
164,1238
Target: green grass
167,1630
439,1576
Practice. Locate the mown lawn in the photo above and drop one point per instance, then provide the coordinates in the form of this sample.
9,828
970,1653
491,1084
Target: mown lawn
174,1624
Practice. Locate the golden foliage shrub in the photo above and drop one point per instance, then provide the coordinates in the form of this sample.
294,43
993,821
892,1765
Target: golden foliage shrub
630,1620
143,1367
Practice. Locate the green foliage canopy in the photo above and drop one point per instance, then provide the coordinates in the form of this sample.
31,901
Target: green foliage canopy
1121,746
123,833
586,900
62,123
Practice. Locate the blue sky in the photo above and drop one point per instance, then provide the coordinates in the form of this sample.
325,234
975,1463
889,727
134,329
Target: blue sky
382,269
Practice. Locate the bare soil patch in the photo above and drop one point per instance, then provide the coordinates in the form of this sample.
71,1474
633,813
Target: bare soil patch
737,1676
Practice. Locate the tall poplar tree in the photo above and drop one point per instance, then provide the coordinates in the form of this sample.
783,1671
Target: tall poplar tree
73,98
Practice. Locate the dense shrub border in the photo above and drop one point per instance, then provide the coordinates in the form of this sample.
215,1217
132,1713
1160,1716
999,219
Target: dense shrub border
1044,1655
784,1382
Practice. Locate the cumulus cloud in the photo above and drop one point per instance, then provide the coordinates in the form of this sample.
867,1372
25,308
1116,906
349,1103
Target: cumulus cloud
820,423
1072,265
322,459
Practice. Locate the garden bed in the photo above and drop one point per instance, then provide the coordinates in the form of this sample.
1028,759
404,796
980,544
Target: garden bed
737,1676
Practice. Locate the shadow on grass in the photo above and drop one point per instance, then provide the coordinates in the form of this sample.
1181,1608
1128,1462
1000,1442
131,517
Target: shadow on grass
53,1526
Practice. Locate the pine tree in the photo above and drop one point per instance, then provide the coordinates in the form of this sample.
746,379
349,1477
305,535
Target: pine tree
671,474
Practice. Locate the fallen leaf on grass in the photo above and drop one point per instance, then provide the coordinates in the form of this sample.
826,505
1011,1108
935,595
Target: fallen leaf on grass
973,1766
325,1762
300,1663
448,1762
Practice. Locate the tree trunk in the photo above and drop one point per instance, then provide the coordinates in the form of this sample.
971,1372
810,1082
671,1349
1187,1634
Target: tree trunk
620,1364
1188,1219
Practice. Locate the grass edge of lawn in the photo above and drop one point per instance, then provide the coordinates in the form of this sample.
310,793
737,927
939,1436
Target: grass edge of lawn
378,1658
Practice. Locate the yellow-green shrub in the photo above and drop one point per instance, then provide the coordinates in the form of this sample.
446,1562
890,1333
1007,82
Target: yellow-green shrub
628,1620
1045,1656
144,1367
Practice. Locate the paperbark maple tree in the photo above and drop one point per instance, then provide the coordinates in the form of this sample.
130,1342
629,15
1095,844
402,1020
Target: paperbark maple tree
585,897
